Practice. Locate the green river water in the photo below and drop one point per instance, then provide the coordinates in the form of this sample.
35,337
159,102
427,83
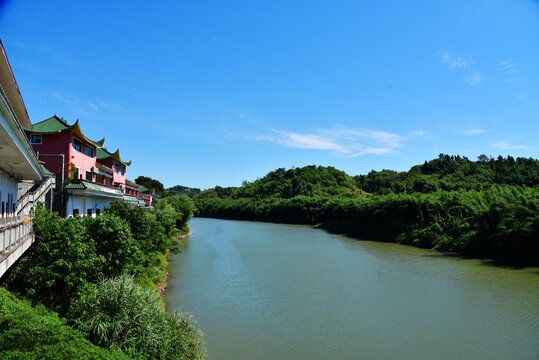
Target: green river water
271,291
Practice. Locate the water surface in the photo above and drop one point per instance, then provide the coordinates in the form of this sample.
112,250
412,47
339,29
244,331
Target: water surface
270,291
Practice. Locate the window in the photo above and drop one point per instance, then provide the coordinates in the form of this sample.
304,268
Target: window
35,139
89,176
97,211
108,182
76,173
123,169
77,145
75,212
90,212
116,167
89,151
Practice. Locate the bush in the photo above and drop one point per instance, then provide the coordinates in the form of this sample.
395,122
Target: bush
118,313
35,333
62,259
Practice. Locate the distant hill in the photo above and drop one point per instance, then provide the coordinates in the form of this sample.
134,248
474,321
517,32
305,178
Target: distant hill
443,173
183,190
281,183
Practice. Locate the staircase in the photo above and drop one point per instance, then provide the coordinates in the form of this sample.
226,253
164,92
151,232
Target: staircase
39,192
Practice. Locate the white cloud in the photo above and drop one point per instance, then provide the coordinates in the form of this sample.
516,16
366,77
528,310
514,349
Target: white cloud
512,76
454,62
339,140
504,145
475,131
474,78
419,132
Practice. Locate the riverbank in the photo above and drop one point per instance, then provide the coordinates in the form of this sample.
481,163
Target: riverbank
501,222
77,265
162,285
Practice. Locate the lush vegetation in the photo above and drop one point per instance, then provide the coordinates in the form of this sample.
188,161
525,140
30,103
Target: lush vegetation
83,261
150,183
183,190
36,333
487,208
118,313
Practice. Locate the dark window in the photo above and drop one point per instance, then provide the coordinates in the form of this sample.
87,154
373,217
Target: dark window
123,169
89,151
35,139
97,211
76,173
89,176
90,212
75,211
116,167
77,145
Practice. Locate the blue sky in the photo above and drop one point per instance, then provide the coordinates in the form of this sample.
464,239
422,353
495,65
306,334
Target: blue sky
205,93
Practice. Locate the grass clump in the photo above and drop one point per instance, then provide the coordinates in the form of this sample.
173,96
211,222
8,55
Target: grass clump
118,313
36,333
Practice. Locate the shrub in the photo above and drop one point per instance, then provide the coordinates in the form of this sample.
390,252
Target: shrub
118,313
35,333
62,259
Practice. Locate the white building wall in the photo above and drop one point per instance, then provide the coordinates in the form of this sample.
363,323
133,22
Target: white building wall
85,203
8,195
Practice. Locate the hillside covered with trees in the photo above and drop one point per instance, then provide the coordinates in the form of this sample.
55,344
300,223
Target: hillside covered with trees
484,208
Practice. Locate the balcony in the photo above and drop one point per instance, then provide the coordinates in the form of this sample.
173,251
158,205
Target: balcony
16,236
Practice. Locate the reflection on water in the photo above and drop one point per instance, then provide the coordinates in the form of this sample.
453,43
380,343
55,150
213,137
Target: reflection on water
270,291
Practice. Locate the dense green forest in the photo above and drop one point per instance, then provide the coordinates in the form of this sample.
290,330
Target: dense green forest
99,276
484,208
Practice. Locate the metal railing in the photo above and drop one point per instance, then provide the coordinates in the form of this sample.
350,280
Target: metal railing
30,198
13,230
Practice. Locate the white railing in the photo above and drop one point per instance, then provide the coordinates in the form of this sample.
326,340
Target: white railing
13,230
25,203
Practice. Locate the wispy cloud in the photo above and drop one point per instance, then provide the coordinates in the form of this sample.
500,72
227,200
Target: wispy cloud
475,131
339,140
454,61
474,78
512,76
419,132
462,64
505,145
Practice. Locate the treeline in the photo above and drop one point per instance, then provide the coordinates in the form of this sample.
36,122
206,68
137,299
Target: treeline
160,190
100,274
452,173
492,214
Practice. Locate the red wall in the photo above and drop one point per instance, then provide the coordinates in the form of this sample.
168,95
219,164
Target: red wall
117,177
62,143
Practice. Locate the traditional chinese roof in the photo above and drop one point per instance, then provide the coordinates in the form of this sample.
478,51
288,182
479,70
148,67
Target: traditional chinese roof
86,186
132,184
103,153
55,124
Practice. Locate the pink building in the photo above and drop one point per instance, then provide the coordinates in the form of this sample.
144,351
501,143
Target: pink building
93,176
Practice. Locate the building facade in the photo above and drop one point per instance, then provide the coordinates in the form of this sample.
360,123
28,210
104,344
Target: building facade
93,176
18,163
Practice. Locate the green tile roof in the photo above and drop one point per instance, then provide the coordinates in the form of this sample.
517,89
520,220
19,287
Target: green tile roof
51,125
143,188
85,185
103,153
55,124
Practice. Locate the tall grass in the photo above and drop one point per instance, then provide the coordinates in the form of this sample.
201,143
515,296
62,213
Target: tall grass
119,313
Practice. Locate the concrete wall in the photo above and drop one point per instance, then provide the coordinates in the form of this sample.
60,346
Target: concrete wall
83,203
8,186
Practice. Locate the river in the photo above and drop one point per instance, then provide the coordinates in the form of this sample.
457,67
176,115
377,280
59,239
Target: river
271,291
